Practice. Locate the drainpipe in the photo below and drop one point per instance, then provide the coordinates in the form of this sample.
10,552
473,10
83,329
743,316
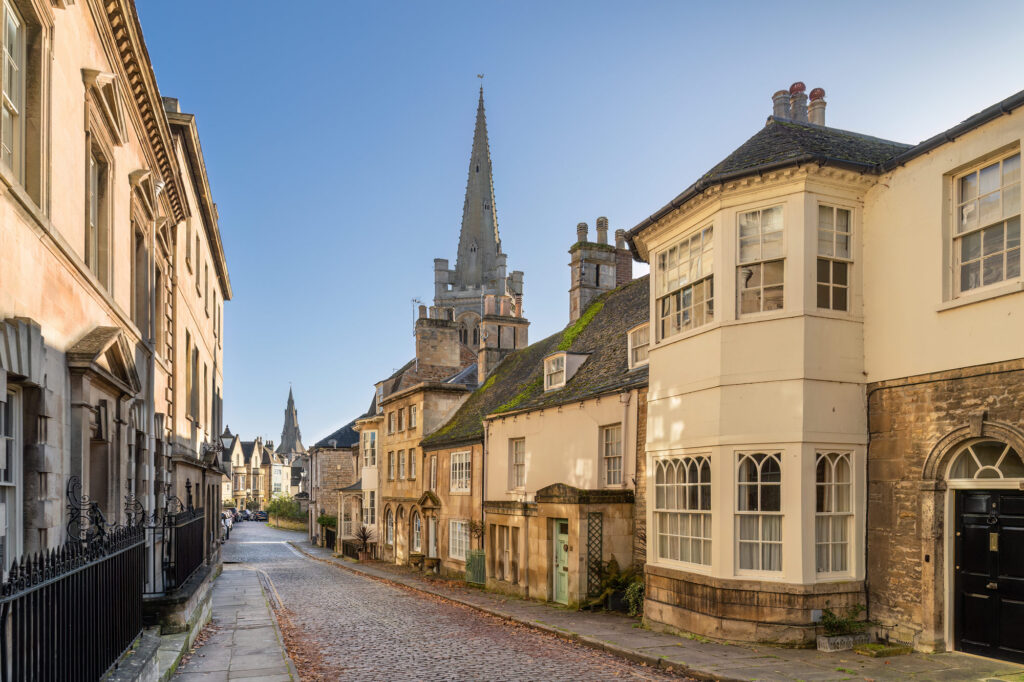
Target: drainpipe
483,487
626,399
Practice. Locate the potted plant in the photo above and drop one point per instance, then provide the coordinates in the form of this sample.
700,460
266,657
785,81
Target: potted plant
842,632
614,581
364,534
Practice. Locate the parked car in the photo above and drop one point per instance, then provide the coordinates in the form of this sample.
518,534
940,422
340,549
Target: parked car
261,516
246,514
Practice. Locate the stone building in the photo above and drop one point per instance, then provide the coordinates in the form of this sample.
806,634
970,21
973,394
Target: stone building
480,266
820,381
110,331
424,396
334,466
558,455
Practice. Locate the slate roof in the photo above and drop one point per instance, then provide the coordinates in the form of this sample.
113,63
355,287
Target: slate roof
345,437
517,383
784,143
247,449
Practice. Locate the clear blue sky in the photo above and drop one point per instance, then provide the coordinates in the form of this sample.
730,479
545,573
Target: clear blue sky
337,139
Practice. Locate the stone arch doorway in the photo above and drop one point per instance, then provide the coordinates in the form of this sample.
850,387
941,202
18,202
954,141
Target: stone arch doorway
978,503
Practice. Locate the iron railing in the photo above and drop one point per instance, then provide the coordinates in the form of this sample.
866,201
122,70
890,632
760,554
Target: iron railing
183,540
69,614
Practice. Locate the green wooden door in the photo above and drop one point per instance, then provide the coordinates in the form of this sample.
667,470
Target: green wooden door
561,563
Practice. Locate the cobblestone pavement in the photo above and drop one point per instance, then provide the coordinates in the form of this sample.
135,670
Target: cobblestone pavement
360,628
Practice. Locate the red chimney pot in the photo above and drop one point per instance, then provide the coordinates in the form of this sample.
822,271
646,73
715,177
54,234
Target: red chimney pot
817,93
797,87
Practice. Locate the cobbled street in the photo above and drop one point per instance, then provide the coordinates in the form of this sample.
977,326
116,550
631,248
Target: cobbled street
341,624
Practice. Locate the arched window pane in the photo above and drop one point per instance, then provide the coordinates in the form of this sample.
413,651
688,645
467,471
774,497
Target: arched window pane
987,459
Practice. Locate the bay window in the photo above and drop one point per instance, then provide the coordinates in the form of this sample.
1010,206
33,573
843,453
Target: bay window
759,511
370,449
834,261
761,269
682,509
833,512
685,284
986,243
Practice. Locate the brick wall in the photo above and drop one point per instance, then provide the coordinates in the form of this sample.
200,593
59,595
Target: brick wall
912,423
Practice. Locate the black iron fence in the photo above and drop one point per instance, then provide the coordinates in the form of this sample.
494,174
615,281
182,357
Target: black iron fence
183,537
69,614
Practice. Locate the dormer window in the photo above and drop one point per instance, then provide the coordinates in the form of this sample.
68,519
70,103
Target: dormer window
639,341
554,372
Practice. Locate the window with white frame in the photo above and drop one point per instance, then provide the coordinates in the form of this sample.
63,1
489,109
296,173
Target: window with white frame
391,465
833,512
458,539
460,472
370,449
11,448
389,528
401,463
611,454
682,509
416,532
834,259
986,244
276,480
391,422
412,416
685,284
412,463
433,472
761,270
987,459
759,511
517,463
370,509
639,341
401,419
554,372
12,90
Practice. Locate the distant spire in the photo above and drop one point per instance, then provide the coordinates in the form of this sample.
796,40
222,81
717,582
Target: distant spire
479,243
291,436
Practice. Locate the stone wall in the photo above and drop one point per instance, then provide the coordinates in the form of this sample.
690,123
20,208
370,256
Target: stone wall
640,491
739,609
915,426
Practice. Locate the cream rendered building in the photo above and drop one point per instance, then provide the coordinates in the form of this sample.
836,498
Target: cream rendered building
792,278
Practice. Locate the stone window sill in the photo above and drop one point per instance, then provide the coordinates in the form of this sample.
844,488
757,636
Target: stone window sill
994,292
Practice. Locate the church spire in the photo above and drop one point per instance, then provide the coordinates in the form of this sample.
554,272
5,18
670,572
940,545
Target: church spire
479,243
291,437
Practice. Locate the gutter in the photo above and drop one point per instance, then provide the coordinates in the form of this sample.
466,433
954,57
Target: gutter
997,110
702,184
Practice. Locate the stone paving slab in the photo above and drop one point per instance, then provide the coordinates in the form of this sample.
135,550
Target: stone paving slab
247,644
698,657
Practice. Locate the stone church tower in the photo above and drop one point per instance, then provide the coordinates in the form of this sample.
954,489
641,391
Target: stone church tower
291,438
480,266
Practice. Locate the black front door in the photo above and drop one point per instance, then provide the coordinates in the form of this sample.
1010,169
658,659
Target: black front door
989,591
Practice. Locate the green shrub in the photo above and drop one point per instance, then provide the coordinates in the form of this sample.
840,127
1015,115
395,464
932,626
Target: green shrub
327,520
285,507
635,597
847,624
